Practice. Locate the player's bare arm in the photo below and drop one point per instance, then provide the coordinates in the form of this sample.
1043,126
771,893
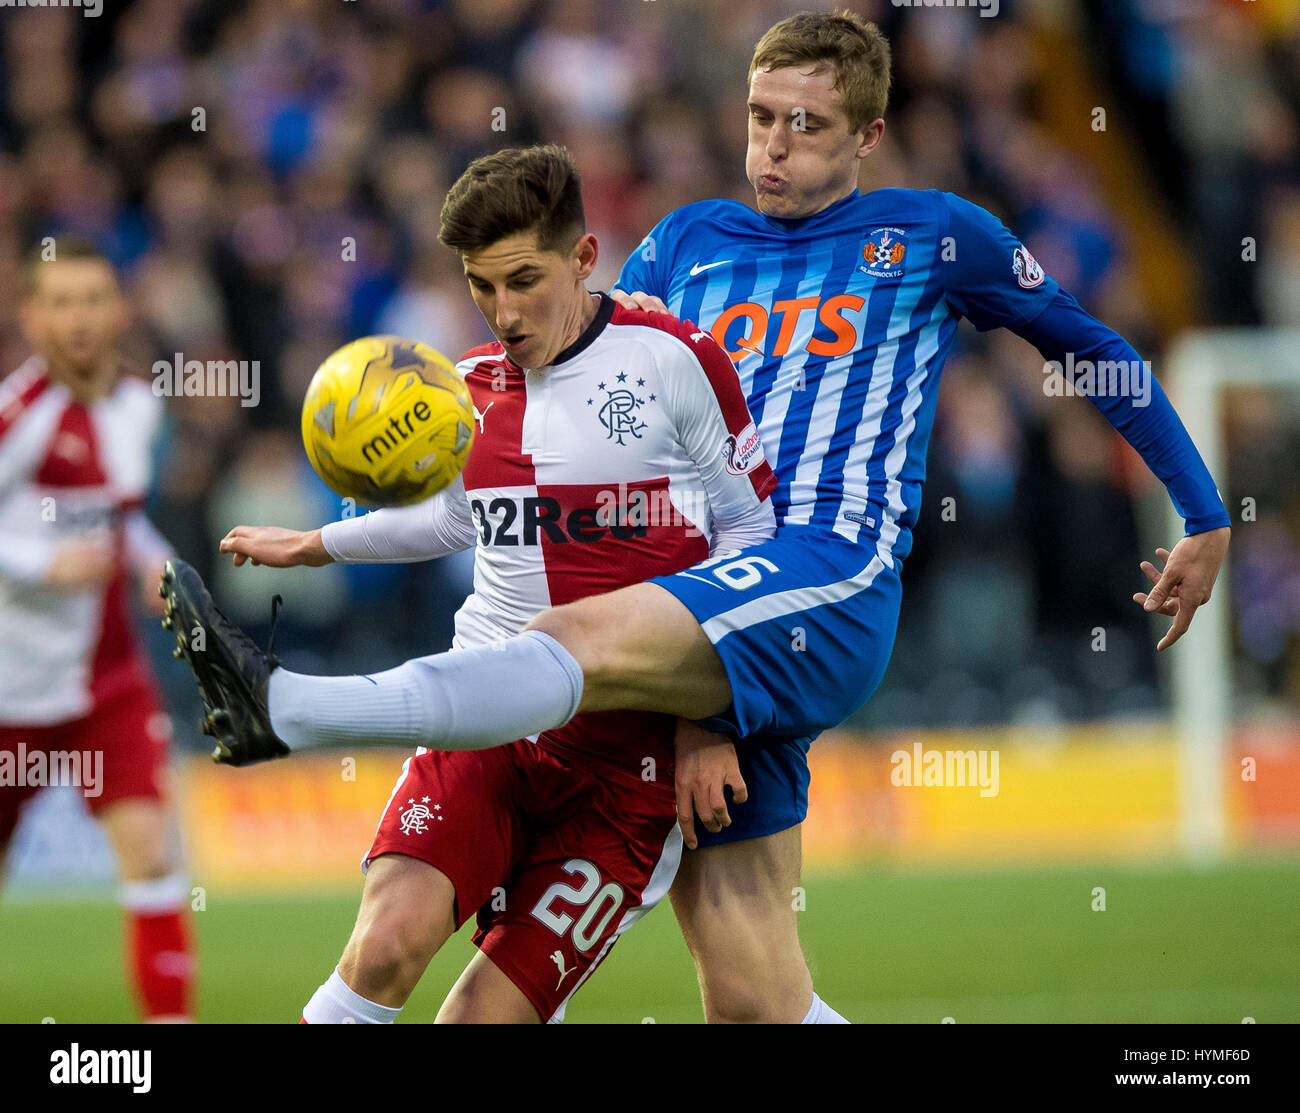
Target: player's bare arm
82,564
275,547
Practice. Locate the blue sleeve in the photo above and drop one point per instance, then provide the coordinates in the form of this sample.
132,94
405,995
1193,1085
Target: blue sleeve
989,276
650,264
1086,350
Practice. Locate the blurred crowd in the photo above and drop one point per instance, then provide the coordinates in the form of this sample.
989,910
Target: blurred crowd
268,175
1214,90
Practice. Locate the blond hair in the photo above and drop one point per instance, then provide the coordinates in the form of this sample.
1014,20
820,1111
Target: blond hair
855,47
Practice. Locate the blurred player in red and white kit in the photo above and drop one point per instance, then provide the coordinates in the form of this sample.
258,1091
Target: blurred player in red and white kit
76,440
612,445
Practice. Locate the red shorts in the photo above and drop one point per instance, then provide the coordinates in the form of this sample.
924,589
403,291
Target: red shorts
558,861
122,745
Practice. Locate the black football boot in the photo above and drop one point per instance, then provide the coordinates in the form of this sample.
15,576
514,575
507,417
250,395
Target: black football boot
232,672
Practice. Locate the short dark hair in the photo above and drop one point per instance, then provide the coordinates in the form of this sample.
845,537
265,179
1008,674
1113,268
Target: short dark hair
66,249
519,189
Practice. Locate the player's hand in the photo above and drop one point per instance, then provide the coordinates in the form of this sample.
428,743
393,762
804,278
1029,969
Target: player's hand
82,564
275,547
1186,580
639,300
705,763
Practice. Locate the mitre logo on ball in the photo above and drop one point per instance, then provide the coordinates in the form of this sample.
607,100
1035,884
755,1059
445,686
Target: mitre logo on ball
387,421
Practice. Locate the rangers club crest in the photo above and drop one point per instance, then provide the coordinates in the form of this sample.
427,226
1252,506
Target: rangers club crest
620,413
1028,273
883,253
415,818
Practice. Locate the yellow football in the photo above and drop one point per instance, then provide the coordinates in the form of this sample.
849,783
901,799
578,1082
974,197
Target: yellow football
387,421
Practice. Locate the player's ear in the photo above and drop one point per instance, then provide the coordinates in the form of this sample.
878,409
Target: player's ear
872,134
585,253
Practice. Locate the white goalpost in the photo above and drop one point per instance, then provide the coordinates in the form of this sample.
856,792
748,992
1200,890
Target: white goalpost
1201,366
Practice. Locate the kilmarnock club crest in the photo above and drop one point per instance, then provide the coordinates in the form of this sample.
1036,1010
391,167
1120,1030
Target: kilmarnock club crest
883,253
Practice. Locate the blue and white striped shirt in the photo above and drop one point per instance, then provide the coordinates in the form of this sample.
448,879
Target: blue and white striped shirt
839,325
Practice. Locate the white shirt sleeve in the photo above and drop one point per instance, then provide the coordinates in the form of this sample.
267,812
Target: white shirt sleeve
26,559
758,525
714,426
403,534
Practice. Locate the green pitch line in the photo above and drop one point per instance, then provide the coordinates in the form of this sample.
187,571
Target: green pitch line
885,945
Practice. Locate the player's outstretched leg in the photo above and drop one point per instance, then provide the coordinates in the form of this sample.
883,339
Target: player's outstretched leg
232,672
453,701
637,648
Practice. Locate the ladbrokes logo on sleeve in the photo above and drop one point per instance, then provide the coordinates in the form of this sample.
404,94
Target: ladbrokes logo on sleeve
1026,269
743,452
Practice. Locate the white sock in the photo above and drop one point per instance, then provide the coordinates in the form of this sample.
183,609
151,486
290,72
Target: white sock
822,1013
335,1003
161,894
465,699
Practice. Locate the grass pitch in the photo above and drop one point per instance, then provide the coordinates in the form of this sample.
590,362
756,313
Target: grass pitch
888,944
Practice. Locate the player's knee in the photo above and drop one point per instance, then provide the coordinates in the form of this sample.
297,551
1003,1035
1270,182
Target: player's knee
144,851
387,951
149,865
566,625
144,856
582,633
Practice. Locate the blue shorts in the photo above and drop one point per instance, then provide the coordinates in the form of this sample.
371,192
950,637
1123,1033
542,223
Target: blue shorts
776,780
804,624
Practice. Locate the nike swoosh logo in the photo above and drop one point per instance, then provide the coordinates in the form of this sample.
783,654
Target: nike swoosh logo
702,580
697,269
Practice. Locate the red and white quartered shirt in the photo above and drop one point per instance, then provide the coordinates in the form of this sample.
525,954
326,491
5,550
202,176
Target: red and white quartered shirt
632,455
69,471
